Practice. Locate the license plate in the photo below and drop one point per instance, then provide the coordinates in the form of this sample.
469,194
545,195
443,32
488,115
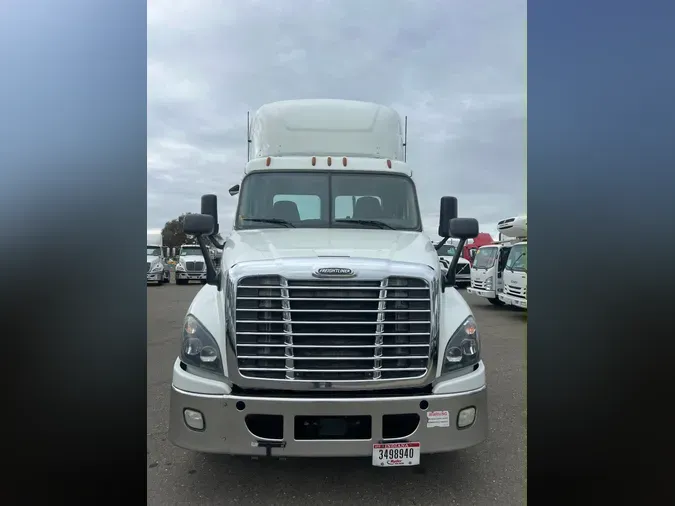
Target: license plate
396,454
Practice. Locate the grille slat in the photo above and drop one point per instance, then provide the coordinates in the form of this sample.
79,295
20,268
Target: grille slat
194,266
333,330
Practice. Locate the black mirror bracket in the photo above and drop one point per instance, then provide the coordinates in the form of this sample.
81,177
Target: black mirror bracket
212,274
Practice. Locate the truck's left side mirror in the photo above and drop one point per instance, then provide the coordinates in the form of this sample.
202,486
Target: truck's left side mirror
234,190
448,212
463,228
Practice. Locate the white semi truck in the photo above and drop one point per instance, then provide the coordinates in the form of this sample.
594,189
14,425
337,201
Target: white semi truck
158,270
191,265
515,268
329,329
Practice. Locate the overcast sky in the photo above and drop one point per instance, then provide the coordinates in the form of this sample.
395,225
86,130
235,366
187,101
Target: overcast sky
457,68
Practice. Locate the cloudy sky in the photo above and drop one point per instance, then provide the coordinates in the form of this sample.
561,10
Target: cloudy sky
456,68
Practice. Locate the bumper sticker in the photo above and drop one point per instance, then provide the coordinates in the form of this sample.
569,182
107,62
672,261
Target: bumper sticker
438,419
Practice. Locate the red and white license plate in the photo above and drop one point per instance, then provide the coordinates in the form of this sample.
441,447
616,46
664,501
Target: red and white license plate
396,454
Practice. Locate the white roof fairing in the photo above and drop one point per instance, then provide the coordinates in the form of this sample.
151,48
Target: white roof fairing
326,128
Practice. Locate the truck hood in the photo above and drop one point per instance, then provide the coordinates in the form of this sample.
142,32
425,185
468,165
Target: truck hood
460,260
273,244
191,258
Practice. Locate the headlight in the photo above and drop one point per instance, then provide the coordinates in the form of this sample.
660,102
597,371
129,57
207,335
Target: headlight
199,348
488,283
180,267
463,350
157,267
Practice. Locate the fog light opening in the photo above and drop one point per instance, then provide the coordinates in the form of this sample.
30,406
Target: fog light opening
466,417
194,419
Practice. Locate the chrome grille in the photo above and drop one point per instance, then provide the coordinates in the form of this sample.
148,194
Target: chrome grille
480,285
462,269
515,291
322,330
194,266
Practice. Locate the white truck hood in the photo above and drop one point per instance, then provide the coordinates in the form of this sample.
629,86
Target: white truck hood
273,244
191,258
151,258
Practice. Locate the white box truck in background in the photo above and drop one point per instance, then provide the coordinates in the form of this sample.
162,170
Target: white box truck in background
158,270
515,268
329,329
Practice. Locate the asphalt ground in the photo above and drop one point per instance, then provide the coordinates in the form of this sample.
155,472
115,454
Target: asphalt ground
493,472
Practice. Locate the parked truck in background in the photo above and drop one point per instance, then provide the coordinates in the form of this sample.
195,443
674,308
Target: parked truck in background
191,265
329,329
488,270
446,253
515,268
158,270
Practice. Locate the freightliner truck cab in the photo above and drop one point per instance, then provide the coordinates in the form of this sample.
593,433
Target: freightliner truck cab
329,329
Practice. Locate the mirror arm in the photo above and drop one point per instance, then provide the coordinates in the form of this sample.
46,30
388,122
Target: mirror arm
440,244
215,242
212,275
450,277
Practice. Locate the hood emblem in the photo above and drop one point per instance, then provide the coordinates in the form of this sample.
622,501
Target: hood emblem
334,272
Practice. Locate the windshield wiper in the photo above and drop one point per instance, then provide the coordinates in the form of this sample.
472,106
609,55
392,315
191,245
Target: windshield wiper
376,223
277,221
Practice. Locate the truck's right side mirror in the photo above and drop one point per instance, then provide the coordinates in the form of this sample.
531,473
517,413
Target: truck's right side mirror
448,212
198,224
210,208
202,226
234,190
462,229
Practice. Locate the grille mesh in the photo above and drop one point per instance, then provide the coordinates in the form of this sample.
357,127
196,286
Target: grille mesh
323,330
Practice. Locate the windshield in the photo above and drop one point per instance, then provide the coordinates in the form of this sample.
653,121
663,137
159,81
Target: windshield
306,199
485,258
190,251
153,251
517,260
446,251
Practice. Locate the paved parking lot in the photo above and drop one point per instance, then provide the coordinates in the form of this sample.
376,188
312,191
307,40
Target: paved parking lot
491,473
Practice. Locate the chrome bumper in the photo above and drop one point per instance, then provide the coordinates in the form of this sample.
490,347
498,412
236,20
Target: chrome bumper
225,429
490,294
513,301
191,276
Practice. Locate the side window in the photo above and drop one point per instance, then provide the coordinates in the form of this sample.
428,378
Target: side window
309,206
344,205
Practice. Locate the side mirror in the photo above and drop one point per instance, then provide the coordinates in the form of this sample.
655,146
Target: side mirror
463,228
234,190
201,225
210,208
448,212
198,224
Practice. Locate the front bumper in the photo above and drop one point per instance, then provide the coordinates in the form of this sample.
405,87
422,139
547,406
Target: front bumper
154,277
489,294
225,428
191,276
513,301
